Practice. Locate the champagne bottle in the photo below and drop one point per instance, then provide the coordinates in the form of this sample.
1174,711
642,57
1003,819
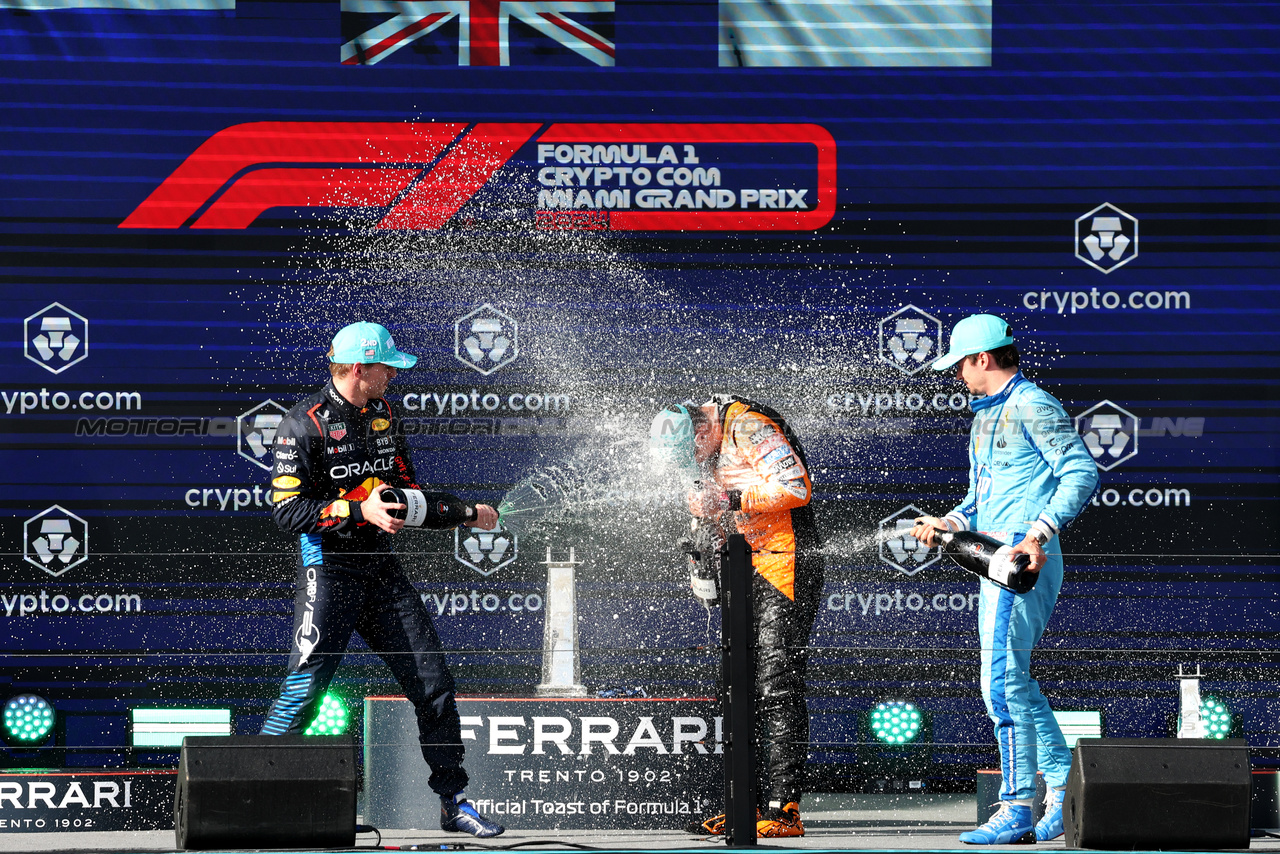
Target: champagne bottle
987,557
414,513
703,550
437,510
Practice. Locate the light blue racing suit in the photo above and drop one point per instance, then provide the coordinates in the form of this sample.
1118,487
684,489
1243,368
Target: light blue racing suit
1028,470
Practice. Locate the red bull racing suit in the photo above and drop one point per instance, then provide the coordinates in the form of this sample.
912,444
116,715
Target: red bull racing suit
763,470
330,456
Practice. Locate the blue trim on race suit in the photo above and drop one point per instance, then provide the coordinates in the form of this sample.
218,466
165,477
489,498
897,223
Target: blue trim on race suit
997,698
312,554
287,706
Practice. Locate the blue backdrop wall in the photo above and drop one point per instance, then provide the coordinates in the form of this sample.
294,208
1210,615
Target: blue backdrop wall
577,212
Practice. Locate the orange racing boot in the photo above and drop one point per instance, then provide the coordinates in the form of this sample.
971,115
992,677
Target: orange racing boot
777,822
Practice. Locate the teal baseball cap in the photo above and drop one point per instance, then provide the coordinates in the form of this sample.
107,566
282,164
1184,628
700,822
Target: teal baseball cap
366,344
977,333
671,444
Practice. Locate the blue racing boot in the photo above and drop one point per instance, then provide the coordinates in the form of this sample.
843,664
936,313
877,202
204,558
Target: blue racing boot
1050,827
459,815
1010,826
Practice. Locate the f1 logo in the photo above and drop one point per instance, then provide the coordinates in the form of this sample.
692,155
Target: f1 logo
423,173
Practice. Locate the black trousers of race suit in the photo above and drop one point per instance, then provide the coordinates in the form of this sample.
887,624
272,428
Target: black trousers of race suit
782,628
370,594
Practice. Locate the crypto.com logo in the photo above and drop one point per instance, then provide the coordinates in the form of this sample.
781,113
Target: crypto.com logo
55,540
423,172
1109,432
1104,238
256,432
484,551
898,548
55,337
910,339
486,339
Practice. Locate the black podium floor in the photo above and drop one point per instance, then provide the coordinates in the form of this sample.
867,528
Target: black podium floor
834,823
817,841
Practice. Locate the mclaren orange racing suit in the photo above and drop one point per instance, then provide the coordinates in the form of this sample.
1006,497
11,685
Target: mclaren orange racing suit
762,469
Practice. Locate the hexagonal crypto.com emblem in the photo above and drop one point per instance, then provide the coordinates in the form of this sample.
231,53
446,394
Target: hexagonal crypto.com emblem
484,551
1109,432
55,337
256,432
910,339
55,540
486,339
1106,238
898,548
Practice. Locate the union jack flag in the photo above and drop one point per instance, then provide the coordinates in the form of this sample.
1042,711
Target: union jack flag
484,27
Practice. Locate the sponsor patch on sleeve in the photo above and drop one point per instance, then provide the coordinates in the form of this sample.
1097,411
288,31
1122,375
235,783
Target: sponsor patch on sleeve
338,510
796,488
286,482
279,497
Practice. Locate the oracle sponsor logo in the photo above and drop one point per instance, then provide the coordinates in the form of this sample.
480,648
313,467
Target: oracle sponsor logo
423,173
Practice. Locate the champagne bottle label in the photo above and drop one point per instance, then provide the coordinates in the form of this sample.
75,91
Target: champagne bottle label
1002,567
415,512
703,588
415,507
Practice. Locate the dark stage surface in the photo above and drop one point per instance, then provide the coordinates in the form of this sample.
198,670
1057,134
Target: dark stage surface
833,823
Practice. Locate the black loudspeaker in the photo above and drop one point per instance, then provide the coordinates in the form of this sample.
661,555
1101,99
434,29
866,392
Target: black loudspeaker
266,791
1156,794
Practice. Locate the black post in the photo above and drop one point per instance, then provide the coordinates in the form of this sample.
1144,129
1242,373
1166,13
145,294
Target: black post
738,697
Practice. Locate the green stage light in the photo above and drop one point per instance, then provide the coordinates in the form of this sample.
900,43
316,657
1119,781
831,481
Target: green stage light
895,722
1216,717
28,719
332,719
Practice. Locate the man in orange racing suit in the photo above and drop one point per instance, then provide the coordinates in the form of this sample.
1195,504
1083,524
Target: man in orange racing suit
755,481
335,453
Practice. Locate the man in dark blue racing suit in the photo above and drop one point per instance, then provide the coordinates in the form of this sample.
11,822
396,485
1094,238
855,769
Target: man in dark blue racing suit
335,453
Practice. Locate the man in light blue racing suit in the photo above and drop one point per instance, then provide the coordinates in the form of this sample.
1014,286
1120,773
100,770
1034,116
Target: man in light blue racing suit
1029,476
